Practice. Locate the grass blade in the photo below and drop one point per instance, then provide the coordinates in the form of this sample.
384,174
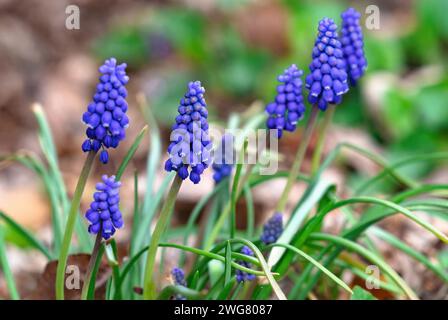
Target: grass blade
26,235
397,243
353,246
278,292
96,267
235,189
218,257
170,291
10,282
250,211
395,207
127,158
309,200
228,264
310,259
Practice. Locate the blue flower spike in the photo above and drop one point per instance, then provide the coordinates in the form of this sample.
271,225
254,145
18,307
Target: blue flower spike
288,107
327,80
104,213
190,146
106,117
223,162
273,229
242,276
178,276
353,45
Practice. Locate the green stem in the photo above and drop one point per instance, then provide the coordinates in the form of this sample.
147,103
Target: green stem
149,286
93,258
295,170
208,243
315,162
62,262
236,189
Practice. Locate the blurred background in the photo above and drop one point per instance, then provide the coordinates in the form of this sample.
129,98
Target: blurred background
236,48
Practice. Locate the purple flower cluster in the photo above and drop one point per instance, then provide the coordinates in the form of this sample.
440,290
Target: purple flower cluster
353,44
178,277
327,81
224,160
273,229
288,107
242,276
191,145
104,213
106,115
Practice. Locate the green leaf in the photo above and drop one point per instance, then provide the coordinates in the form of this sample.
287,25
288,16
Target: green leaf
96,267
400,245
127,158
367,219
311,197
228,265
274,285
112,259
316,264
408,160
353,246
250,211
218,257
236,188
197,210
226,290
58,187
10,282
194,282
361,294
33,163
170,291
154,152
142,230
26,235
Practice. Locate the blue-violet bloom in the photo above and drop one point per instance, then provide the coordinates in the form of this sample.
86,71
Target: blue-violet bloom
224,159
353,44
273,229
242,276
104,213
106,115
190,146
288,107
327,81
178,277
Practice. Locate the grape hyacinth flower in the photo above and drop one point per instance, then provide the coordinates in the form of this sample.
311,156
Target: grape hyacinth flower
106,115
273,228
191,145
104,213
288,107
225,158
242,276
327,81
178,277
353,44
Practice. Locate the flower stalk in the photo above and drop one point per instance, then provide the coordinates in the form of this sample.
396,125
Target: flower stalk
91,266
322,133
149,286
62,261
295,170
